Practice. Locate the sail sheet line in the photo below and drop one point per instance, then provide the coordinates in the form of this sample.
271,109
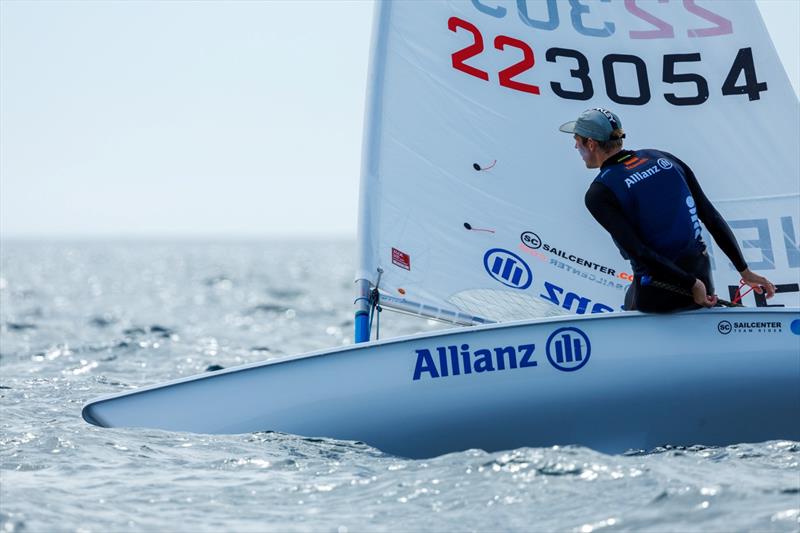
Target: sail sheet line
758,198
429,311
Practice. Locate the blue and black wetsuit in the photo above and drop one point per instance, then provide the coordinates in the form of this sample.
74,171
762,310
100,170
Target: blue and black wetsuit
651,204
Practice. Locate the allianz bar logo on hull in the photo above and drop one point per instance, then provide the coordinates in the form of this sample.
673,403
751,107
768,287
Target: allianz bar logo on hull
567,349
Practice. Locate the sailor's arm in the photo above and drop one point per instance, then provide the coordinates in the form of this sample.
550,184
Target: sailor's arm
606,209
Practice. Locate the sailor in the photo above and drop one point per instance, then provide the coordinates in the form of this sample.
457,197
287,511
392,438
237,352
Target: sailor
652,205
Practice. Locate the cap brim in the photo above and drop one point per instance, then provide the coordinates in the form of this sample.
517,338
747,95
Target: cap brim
568,127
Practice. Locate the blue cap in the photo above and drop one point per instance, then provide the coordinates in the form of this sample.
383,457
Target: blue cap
597,124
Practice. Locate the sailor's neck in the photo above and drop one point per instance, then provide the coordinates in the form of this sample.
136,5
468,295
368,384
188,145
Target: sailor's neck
617,157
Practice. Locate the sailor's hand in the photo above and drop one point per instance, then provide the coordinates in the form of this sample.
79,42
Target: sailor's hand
759,283
700,297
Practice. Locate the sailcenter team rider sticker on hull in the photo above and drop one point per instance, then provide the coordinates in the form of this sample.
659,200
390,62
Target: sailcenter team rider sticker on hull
567,349
726,327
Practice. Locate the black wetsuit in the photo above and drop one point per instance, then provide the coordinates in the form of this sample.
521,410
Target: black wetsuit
650,203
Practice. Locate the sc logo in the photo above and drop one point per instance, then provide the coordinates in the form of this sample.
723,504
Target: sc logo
531,240
724,327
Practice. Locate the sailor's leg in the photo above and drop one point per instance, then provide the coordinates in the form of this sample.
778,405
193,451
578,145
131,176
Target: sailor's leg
630,295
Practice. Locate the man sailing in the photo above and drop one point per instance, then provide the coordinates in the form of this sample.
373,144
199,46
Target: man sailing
651,204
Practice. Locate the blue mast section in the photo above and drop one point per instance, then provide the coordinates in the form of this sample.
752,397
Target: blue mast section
362,312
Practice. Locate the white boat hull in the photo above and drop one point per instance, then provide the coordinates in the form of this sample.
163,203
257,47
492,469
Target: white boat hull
626,381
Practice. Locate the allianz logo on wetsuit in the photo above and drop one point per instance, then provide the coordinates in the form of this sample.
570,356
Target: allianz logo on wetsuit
636,177
567,349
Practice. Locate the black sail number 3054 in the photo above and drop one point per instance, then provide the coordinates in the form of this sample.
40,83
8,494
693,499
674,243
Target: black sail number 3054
741,78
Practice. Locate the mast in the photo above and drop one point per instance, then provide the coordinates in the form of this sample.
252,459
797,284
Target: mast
369,166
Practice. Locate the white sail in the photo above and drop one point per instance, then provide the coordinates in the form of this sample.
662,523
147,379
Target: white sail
472,201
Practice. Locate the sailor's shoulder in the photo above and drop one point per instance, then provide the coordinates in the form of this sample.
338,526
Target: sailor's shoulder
609,173
603,173
650,153
655,154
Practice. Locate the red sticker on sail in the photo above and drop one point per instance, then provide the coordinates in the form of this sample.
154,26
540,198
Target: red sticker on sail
403,260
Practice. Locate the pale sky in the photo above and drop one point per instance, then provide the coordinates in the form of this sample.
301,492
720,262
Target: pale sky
196,119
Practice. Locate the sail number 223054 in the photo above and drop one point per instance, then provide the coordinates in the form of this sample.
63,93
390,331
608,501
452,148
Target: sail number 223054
742,66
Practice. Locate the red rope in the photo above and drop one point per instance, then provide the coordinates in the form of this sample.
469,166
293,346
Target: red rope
738,295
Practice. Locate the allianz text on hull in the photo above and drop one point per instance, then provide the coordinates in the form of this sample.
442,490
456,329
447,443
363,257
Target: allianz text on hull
612,382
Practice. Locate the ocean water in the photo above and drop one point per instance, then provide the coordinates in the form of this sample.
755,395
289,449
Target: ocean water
82,319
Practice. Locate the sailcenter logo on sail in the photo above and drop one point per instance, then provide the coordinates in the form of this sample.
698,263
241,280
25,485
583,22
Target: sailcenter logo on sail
534,242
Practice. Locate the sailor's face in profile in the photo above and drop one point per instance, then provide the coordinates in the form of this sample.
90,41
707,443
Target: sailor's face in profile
587,149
